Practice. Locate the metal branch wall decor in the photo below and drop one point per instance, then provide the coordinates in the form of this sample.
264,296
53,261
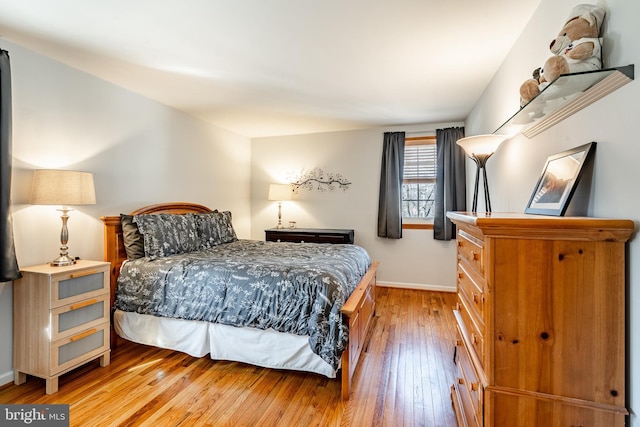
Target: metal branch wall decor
317,179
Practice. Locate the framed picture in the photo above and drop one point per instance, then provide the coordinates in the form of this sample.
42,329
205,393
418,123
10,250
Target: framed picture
558,181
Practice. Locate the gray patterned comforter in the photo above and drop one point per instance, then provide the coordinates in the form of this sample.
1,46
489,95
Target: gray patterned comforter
297,288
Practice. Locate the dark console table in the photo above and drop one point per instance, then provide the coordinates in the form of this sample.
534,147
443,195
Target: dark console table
309,235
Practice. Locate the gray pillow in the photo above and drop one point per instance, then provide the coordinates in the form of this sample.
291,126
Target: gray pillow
133,240
215,228
168,234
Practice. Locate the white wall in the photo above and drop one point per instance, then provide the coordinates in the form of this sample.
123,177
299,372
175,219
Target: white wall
612,122
416,260
139,151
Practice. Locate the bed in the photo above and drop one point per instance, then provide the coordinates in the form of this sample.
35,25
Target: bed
151,309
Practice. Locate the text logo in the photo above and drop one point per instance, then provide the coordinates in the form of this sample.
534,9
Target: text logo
34,415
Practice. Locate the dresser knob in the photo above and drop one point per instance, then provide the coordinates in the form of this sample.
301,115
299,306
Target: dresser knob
474,387
460,380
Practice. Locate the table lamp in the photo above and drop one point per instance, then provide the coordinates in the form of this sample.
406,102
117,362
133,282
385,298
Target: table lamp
62,187
280,193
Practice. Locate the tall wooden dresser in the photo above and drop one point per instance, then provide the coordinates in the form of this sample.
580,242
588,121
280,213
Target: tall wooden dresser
541,320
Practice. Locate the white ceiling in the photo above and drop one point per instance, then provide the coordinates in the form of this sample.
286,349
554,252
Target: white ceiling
276,67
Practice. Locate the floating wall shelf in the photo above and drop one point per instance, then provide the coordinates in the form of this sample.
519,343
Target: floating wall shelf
566,95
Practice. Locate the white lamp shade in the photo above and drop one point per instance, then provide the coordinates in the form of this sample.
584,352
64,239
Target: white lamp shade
280,192
62,187
481,144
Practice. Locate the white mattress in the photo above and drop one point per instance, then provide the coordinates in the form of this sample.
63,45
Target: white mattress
266,348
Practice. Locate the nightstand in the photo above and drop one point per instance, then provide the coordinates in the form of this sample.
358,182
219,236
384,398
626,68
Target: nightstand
309,235
60,320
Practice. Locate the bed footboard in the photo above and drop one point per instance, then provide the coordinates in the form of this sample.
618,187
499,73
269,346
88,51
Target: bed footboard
358,312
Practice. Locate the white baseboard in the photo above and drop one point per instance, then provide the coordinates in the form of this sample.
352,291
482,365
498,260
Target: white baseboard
418,286
6,378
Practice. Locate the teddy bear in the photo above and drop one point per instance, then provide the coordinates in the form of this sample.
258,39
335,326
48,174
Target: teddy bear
577,48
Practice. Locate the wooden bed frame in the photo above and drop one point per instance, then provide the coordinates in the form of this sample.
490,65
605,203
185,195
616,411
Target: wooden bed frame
358,311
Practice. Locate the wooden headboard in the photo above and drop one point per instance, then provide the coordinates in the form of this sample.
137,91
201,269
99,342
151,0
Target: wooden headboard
114,244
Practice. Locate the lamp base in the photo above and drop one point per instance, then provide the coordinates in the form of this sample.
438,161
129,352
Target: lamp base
279,226
481,161
62,261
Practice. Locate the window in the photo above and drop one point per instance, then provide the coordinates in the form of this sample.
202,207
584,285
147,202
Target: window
419,181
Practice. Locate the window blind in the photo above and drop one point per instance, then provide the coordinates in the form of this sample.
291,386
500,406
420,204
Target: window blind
419,163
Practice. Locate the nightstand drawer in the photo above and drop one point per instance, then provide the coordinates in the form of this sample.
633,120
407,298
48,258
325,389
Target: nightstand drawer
79,285
79,348
73,318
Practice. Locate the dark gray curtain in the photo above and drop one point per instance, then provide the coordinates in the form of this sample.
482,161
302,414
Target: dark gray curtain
390,200
9,269
451,181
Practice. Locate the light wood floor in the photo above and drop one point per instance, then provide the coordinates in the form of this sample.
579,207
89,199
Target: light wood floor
403,380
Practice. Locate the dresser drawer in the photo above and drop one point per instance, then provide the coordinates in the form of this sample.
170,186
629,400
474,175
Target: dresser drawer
73,318
68,352
468,386
470,329
472,287
471,250
463,408
292,237
80,285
